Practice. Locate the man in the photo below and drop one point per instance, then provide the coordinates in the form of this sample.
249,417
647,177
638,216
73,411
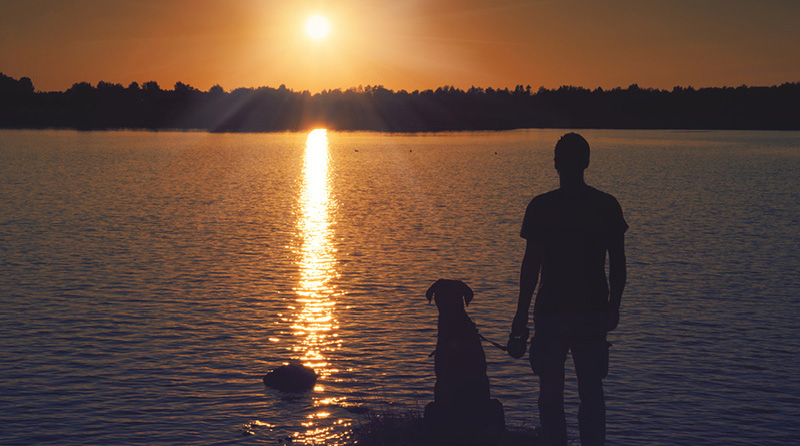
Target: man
569,231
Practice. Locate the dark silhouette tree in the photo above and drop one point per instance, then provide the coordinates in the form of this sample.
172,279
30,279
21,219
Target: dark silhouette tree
110,105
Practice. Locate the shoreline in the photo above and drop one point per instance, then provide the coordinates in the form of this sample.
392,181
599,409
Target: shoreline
405,428
378,132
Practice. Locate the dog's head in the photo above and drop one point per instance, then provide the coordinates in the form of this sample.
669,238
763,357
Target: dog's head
449,294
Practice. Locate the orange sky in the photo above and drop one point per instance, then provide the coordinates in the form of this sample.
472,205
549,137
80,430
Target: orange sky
402,44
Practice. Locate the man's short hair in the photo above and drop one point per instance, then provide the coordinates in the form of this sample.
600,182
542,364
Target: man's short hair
572,152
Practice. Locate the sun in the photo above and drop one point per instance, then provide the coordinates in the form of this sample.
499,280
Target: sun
317,27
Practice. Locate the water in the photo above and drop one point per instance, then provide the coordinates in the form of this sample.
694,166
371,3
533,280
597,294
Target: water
149,280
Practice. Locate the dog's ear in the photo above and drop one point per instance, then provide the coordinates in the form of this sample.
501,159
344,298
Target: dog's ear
466,291
432,290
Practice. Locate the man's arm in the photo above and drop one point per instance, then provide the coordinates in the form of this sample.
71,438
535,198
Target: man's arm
617,275
528,276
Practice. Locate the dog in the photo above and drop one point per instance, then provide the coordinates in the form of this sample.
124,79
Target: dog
462,403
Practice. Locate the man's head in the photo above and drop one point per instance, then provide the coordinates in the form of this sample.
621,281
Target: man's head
572,153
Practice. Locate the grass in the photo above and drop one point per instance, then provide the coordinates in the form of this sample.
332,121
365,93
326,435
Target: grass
405,428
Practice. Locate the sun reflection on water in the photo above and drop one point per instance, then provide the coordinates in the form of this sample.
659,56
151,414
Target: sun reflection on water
314,326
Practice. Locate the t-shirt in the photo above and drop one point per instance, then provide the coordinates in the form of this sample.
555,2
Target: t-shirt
574,227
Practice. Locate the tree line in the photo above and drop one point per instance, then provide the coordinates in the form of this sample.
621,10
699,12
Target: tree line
147,106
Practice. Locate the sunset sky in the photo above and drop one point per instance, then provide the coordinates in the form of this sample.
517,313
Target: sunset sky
402,44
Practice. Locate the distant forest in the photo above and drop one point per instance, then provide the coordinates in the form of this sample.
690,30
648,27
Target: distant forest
264,109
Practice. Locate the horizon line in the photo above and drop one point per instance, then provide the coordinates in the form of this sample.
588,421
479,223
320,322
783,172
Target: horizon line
362,87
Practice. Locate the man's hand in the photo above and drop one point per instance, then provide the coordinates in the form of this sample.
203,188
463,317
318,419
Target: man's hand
612,318
518,339
520,325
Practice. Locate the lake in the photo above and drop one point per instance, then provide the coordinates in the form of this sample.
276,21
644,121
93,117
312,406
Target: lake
149,280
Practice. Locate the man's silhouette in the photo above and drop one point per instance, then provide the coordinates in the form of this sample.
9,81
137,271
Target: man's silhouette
569,231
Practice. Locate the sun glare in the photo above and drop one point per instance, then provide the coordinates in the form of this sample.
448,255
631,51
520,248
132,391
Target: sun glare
317,27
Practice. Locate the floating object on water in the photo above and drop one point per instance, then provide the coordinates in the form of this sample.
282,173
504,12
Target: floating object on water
293,377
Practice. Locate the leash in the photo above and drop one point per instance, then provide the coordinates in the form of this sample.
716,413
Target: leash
483,338
501,347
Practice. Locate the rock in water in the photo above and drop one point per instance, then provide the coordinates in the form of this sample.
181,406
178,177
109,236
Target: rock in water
294,377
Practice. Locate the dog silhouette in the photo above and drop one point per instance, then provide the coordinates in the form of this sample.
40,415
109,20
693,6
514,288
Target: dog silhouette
462,405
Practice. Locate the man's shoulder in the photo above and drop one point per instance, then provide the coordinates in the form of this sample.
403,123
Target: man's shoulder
603,197
547,197
556,195
538,212
610,210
